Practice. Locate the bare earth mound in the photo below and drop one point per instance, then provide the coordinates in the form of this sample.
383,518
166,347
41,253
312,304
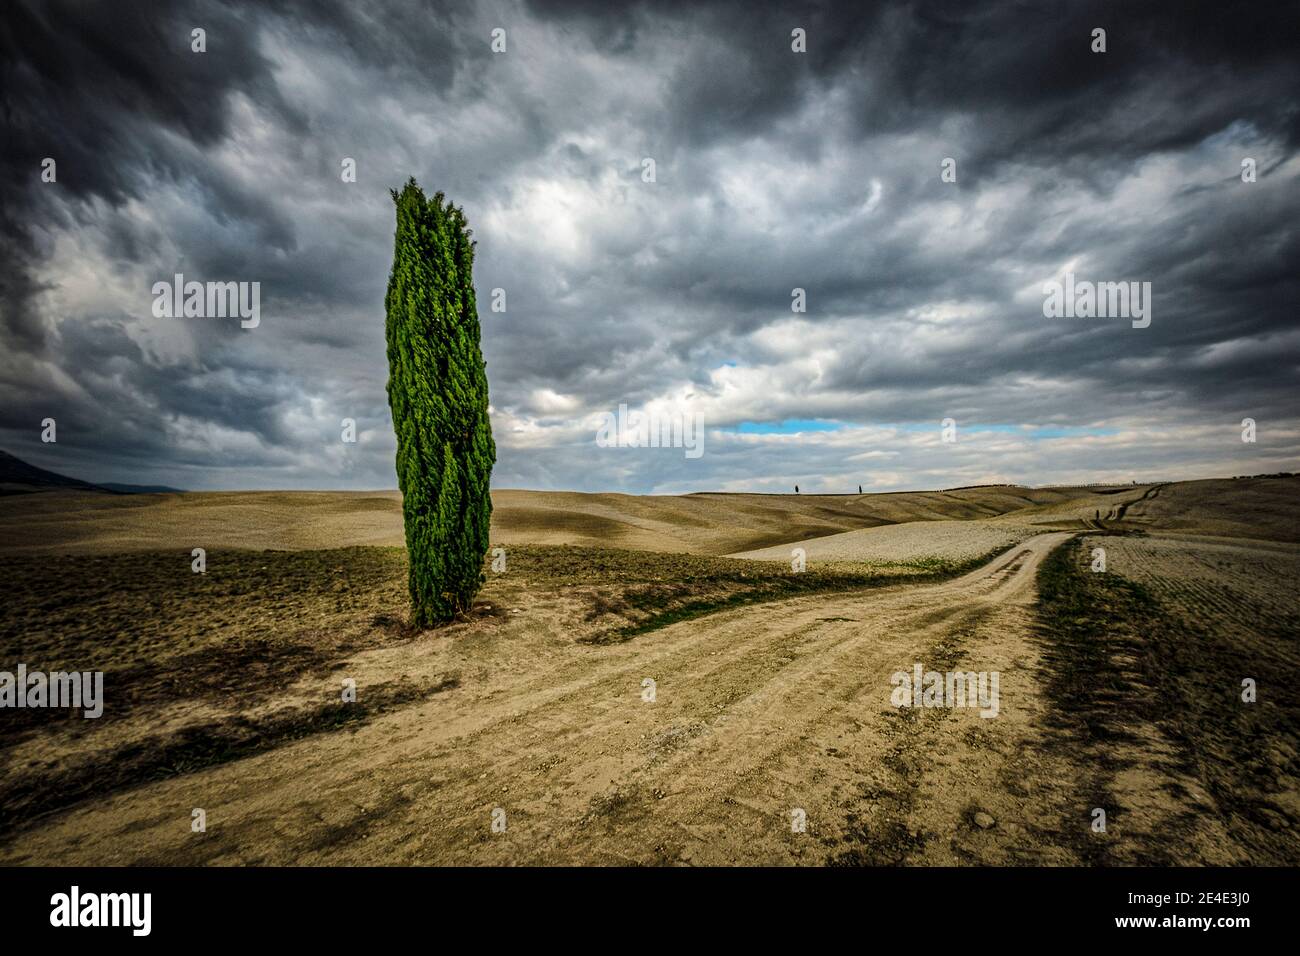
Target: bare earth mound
904,543
711,524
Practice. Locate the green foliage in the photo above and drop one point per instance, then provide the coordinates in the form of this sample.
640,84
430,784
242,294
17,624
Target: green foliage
438,393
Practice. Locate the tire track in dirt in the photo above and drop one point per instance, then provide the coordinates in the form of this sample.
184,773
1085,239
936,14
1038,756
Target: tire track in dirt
759,711
1118,513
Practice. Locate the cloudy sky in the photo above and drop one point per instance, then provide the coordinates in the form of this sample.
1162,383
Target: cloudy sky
773,170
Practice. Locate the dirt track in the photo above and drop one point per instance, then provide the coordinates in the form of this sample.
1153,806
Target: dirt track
759,711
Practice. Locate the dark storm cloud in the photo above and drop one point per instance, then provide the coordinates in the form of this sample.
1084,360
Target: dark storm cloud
775,170
100,88
1020,65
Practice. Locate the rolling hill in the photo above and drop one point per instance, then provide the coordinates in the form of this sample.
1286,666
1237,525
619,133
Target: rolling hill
19,477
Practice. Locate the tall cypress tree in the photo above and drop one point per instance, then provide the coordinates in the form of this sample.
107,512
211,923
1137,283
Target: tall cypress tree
438,393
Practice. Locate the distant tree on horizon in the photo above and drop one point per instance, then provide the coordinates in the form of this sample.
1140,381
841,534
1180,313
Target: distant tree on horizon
438,393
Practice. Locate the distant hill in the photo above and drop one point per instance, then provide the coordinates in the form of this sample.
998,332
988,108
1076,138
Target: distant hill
102,522
18,477
140,489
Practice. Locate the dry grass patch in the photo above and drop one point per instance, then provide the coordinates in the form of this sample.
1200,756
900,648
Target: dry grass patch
1147,699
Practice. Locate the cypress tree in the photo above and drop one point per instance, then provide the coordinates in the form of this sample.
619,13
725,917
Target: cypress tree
438,393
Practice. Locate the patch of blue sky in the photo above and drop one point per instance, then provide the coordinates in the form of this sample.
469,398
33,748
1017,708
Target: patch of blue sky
789,426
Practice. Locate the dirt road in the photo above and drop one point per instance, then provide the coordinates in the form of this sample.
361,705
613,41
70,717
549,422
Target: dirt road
758,713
